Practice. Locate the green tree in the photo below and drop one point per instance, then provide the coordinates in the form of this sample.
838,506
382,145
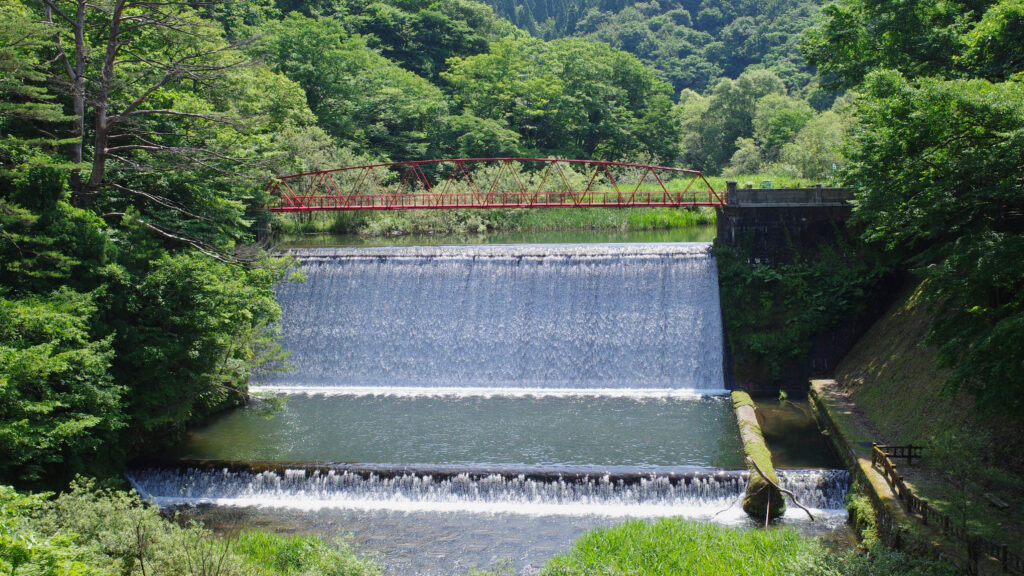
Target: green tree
359,97
421,36
191,333
729,116
777,119
59,408
466,136
569,97
27,109
937,166
918,38
994,48
746,160
511,84
817,149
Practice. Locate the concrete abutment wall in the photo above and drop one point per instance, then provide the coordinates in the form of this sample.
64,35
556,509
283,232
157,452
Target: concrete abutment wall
772,224
775,227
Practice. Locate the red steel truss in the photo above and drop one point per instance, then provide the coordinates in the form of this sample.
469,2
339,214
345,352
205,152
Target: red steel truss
492,183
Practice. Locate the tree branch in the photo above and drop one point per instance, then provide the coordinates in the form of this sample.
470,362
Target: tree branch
165,202
198,244
779,488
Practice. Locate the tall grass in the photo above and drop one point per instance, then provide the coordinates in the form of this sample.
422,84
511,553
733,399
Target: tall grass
762,180
267,554
673,546
481,221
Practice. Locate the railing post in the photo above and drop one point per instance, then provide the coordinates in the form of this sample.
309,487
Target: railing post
1004,558
924,511
874,454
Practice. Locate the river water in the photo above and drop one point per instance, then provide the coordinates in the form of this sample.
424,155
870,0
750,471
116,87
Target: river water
457,407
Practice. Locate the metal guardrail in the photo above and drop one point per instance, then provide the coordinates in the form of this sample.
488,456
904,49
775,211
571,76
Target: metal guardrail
881,456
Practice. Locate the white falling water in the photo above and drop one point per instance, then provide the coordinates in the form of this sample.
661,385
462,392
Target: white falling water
702,497
607,319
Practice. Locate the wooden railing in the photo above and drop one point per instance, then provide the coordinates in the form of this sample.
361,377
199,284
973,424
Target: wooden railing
881,457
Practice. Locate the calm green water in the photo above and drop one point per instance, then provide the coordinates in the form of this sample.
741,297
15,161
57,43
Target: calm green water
793,437
698,234
545,431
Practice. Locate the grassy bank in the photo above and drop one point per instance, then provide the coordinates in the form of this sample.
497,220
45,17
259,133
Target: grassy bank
674,546
481,221
972,467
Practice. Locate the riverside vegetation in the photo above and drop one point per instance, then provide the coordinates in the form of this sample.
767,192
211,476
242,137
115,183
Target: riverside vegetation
135,138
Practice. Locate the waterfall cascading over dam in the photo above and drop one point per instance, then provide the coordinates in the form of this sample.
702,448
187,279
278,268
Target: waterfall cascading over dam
587,318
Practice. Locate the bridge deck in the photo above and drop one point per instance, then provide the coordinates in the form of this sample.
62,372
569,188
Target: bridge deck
477,183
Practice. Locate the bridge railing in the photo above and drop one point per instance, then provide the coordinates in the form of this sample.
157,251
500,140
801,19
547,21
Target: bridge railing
492,183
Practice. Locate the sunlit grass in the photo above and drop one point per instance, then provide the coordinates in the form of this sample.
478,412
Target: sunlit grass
273,554
674,546
481,221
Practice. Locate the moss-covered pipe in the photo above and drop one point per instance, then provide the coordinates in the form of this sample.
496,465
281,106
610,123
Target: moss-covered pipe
762,499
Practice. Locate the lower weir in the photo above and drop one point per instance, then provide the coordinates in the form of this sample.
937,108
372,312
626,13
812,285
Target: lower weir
619,495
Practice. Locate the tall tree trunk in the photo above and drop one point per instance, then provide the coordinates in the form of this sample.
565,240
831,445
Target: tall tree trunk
102,124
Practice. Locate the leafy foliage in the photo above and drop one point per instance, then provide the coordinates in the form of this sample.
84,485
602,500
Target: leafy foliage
691,43
130,294
193,331
58,404
772,311
951,202
569,97
90,532
676,546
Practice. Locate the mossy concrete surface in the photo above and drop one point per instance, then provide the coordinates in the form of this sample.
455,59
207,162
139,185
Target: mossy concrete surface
852,435
762,500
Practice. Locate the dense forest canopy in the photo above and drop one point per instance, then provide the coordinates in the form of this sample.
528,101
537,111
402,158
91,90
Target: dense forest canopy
692,43
935,155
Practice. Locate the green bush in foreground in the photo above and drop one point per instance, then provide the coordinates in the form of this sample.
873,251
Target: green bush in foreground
88,532
272,554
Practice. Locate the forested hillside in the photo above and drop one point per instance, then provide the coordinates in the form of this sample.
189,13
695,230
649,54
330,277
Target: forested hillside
692,43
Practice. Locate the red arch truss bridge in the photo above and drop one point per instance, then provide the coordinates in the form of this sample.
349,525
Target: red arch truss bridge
492,183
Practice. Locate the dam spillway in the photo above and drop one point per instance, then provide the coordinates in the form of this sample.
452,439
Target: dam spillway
588,318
